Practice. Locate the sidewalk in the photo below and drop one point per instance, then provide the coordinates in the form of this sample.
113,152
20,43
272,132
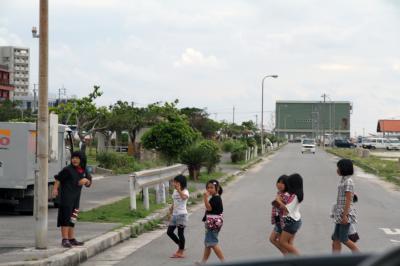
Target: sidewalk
17,232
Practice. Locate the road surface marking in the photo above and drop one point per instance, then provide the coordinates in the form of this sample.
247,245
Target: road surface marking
389,231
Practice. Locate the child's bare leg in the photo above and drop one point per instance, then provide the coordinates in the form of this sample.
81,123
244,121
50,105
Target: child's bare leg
64,232
71,233
286,242
336,246
275,240
352,246
206,254
218,251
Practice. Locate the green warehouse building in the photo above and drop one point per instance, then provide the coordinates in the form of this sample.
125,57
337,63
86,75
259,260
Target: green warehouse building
312,119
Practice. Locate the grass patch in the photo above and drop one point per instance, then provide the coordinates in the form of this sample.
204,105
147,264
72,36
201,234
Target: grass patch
388,170
119,212
204,176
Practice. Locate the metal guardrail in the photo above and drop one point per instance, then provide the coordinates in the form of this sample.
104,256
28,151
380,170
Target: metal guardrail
158,178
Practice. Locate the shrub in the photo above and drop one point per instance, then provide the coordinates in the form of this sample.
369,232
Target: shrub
169,138
238,152
193,157
212,154
120,163
228,145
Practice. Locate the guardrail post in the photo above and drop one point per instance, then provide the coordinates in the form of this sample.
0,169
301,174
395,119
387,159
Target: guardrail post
132,191
160,193
146,199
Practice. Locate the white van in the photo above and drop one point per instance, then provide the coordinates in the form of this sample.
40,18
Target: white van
308,145
376,143
393,144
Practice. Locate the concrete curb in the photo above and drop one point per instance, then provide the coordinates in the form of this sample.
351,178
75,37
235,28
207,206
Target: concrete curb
77,255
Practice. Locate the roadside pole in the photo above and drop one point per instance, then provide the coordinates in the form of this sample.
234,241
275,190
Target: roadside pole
41,180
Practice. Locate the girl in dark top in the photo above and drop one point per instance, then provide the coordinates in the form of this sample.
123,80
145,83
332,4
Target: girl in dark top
68,186
213,220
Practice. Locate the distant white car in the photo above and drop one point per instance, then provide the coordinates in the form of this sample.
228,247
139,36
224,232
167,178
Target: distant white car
308,145
393,144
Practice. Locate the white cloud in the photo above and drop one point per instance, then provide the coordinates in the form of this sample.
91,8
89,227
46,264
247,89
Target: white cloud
193,57
396,67
336,67
8,38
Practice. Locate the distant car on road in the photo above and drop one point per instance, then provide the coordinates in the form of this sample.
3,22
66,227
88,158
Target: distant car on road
343,143
308,145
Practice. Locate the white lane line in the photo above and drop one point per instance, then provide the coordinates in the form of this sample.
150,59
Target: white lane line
98,177
389,231
395,241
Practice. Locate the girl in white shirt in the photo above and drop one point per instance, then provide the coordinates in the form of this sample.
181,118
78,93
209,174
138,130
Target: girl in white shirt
179,216
292,216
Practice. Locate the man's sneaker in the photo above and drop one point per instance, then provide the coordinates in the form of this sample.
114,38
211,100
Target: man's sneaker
66,243
75,242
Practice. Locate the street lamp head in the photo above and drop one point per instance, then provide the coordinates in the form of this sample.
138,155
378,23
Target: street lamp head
274,76
35,32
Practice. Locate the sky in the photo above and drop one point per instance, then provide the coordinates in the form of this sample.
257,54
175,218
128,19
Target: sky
214,54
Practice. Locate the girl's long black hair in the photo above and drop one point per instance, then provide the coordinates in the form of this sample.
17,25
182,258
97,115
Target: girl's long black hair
181,179
295,186
218,187
283,179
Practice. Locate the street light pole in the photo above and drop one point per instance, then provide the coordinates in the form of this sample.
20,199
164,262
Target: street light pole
41,180
262,110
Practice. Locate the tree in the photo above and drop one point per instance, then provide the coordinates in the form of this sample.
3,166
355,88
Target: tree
199,120
212,154
250,125
9,110
194,157
84,113
169,138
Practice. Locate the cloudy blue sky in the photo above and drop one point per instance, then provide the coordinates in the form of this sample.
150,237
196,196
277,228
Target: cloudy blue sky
214,54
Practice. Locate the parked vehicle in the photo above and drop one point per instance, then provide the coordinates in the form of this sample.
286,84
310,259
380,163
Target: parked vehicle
375,143
343,143
308,145
19,165
393,144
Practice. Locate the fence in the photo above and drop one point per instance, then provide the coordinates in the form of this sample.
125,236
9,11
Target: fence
157,178
252,152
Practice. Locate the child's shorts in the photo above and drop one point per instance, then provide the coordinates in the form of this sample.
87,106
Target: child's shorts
341,233
292,226
179,220
211,238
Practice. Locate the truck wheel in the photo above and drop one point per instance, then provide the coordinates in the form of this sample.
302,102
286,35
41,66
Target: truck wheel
25,206
56,202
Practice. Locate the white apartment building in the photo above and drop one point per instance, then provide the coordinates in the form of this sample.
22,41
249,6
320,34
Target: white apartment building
17,60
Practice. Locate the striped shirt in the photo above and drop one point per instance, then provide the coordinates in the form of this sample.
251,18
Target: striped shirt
346,184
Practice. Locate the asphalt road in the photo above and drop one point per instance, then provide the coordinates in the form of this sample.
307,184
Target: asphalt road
17,231
247,215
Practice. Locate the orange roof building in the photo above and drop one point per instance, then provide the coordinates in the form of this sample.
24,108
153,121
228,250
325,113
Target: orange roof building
388,126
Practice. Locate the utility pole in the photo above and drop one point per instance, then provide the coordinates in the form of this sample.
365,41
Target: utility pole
233,115
323,120
41,180
34,97
256,120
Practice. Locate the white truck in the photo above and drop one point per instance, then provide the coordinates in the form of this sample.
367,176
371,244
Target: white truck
19,164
